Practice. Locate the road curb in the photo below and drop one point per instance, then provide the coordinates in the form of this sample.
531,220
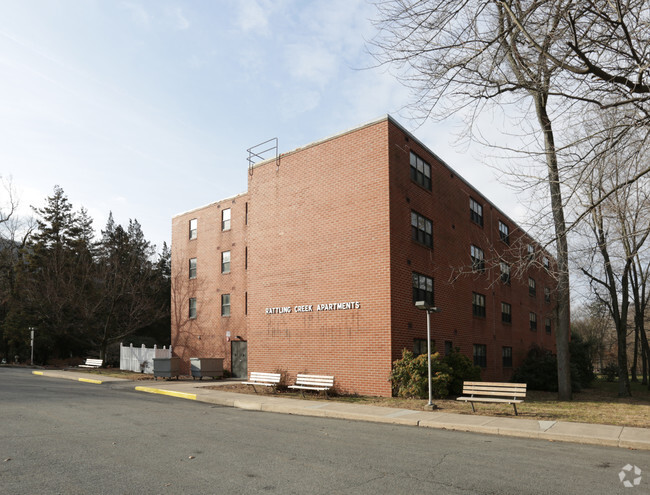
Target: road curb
171,393
85,380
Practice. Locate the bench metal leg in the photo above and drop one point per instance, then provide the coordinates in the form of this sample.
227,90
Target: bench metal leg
515,406
473,410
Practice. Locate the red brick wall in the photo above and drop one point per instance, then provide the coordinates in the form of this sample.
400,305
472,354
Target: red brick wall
449,264
318,233
205,336
330,223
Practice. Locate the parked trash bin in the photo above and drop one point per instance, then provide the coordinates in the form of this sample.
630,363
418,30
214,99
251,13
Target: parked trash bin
212,367
166,367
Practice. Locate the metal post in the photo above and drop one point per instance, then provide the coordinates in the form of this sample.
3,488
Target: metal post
31,329
430,404
423,305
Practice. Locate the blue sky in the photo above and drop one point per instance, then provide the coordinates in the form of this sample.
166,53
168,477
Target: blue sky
146,108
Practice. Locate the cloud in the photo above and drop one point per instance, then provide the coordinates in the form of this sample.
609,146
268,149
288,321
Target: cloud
138,13
253,17
299,101
178,19
313,64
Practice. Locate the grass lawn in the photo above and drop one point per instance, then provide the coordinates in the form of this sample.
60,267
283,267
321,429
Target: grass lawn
599,404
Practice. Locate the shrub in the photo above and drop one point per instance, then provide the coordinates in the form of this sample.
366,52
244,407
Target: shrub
538,371
462,369
409,376
611,372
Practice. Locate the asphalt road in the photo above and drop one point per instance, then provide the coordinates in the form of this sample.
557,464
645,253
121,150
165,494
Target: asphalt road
67,437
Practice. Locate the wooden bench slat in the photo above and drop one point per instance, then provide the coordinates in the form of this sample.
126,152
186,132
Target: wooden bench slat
497,384
320,383
500,393
263,379
481,399
92,363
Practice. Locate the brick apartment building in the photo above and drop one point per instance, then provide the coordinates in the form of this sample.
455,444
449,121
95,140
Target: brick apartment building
316,268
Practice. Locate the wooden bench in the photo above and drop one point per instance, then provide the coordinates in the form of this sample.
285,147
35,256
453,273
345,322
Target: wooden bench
319,383
263,379
505,393
92,363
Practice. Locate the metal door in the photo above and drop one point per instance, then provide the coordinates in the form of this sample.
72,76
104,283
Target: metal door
239,353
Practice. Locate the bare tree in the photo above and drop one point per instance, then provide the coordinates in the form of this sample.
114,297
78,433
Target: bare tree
464,57
620,227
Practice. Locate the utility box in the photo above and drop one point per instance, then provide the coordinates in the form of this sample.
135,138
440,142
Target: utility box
166,367
212,367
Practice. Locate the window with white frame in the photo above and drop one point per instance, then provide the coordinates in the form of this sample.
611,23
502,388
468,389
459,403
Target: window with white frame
225,262
225,219
193,228
532,318
192,267
225,304
192,308
532,287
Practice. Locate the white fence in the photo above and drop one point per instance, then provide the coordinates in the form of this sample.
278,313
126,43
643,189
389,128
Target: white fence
140,359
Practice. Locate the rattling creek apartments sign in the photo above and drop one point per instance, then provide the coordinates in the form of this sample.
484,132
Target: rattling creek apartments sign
309,308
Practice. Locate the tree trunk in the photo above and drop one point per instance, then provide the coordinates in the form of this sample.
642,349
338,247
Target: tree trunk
563,331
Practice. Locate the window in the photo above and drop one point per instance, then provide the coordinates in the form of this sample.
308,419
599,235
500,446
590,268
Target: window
246,213
225,304
225,262
532,318
547,295
546,263
531,252
421,229
505,272
193,228
478,258
192,312
192,267
480,355
475,212
532,287
225,219
478,304
420,171
449,347
547,325
506,312
506,358
504,232
420,346
422,288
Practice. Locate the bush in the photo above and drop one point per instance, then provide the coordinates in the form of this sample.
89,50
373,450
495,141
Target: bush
610,372
409,376
462,369
582,369
538,371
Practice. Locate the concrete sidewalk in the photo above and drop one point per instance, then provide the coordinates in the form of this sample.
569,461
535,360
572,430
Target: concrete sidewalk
613,436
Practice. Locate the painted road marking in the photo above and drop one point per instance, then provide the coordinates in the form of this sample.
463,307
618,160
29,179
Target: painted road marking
90,380
182,395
